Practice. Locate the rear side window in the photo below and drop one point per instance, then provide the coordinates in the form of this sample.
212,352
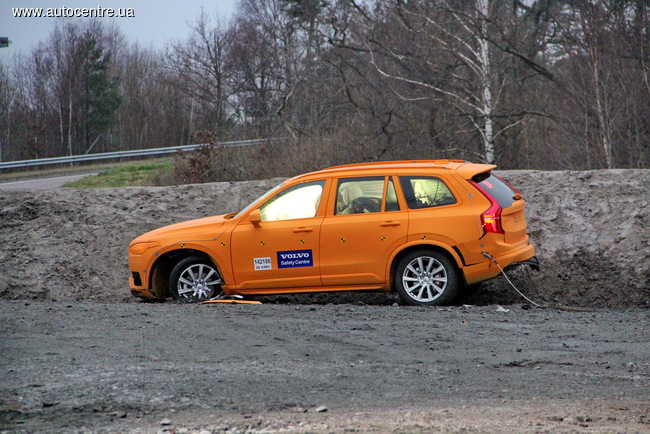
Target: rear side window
426,192
498,189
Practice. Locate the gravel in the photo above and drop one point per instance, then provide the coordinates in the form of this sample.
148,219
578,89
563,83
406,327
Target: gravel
115,367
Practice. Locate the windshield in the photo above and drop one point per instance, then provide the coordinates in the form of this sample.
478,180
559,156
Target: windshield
268,193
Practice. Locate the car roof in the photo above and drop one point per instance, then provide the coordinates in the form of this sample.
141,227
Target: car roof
465,169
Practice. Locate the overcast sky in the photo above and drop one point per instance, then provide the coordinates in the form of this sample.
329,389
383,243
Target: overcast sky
155,21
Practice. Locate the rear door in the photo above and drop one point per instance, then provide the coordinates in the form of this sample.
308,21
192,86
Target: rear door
364,224
437,212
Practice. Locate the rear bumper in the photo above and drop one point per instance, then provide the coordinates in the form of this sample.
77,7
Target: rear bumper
487,269
532,263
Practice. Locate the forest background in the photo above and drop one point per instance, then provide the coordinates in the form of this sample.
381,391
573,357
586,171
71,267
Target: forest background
547,84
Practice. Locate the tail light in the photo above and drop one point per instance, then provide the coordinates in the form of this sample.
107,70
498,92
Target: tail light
491,217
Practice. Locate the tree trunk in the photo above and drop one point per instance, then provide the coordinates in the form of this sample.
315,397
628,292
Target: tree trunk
602,111
487,101
70,123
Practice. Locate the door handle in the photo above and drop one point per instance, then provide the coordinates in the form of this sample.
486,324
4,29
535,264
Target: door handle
304,229
390,223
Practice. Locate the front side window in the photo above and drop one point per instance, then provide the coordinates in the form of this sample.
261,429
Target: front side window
297,202
359,195
426,192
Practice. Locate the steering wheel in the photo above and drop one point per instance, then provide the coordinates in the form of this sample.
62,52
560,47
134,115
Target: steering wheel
365,204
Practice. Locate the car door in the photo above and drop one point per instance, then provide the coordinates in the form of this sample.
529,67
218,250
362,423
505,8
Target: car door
280,248
436,213
365,223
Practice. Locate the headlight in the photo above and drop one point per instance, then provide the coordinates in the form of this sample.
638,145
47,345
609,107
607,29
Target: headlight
139,248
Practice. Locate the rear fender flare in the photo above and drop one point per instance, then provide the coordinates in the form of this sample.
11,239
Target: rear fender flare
414,245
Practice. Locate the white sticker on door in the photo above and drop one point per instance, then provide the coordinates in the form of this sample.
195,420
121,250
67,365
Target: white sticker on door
262,263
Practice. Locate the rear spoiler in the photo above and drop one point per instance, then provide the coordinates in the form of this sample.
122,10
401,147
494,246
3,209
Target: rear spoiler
470,170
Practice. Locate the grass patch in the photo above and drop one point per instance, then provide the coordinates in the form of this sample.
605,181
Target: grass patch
130,175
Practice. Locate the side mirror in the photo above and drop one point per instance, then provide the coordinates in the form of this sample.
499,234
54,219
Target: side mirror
255,217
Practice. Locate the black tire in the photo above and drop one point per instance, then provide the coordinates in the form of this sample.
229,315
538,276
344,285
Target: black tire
194,279
426,278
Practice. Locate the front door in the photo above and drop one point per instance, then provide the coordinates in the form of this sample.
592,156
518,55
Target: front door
283,249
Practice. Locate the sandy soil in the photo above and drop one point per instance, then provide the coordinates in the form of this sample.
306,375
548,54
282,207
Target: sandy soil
79,354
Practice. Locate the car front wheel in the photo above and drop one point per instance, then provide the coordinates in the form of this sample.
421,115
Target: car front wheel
426,277
194,279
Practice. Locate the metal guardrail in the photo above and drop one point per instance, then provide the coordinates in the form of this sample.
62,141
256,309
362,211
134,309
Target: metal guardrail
123,154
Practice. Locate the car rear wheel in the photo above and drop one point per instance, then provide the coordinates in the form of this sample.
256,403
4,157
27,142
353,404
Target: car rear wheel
194,279
426,277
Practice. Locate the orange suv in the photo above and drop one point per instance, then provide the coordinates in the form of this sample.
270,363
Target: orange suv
421,228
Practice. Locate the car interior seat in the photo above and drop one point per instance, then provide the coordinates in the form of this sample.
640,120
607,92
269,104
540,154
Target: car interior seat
421,193
348,194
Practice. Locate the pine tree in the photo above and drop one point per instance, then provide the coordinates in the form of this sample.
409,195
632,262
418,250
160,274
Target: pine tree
99,97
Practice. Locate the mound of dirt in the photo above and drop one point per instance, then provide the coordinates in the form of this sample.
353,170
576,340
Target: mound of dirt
590,230
592,237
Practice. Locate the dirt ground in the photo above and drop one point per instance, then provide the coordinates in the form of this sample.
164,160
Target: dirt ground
149,367
79,354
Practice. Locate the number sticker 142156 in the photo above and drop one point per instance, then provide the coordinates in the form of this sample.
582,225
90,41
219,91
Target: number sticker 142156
262,263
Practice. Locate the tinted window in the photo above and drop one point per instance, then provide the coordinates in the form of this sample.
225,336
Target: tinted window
499,190
426,192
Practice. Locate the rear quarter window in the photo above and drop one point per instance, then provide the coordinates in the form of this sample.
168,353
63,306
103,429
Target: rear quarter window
426,192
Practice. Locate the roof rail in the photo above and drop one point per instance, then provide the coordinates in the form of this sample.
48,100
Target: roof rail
397,162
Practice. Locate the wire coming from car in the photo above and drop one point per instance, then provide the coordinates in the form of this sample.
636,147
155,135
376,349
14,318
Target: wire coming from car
487,255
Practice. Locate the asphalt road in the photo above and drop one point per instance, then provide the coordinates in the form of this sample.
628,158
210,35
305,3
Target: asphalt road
87,367
42,183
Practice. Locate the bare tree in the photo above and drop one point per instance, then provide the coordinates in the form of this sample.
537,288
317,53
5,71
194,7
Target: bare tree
7,98
462,54
138,116
199,67
603,66
73,71
535,83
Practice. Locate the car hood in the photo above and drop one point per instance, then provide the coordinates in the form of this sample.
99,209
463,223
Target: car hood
198,229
